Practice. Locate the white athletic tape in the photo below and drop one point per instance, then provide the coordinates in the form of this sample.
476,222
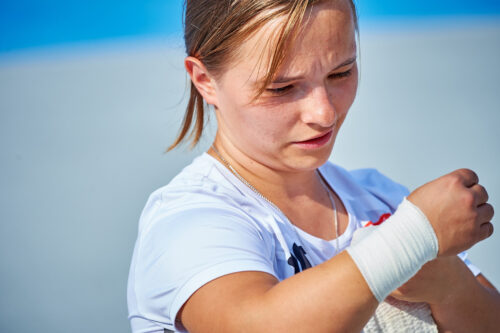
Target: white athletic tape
390,254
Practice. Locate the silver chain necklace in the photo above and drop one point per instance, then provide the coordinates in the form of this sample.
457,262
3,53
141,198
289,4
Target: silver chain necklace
325,187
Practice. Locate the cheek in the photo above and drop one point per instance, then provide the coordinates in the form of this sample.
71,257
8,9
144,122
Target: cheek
271,125
252,123
246,123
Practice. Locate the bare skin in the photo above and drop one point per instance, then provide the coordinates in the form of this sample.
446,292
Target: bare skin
306,302
459,302
261,139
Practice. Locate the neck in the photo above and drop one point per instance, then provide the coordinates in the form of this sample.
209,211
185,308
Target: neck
279,185
299,195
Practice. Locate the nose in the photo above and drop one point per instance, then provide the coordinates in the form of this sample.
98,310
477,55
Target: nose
318,108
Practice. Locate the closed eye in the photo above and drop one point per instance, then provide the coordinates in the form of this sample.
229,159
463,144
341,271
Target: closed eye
280,90
340,75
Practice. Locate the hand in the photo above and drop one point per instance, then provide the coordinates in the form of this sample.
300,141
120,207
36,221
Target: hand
456,207
437,282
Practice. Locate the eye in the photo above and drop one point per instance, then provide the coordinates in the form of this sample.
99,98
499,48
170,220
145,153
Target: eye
280,90
340,75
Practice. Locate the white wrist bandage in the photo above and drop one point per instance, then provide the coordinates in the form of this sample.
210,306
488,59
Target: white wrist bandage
390,254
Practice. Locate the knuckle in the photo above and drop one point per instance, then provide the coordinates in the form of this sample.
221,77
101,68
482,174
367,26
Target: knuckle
467,199
454,179
469,172
474,215
461,172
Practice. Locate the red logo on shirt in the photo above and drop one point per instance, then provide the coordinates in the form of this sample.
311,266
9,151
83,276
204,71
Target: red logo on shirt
381,219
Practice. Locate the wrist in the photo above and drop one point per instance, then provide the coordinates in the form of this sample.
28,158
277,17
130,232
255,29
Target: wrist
392,253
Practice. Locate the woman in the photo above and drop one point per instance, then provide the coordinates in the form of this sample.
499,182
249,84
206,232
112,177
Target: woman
251,236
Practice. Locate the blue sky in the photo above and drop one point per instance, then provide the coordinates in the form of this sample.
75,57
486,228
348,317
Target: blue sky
34,23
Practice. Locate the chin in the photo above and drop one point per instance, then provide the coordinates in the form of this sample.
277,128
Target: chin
309,160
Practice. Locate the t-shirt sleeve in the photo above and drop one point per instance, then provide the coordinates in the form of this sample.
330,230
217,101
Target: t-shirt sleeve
183,250
474,269
381,186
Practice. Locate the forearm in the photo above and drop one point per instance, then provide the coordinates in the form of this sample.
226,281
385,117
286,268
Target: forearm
474,308
336,299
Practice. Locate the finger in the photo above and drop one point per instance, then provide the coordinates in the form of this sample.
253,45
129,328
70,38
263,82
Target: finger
468,177
480,194
485,230
485,212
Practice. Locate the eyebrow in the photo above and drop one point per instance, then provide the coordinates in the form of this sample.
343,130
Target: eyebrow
284,79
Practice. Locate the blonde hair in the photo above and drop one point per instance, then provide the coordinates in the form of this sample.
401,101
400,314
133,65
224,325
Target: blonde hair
213,31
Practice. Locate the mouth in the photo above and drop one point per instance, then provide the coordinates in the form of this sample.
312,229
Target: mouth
317,141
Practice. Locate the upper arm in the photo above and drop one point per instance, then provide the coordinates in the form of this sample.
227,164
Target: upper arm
330,297
185,250
220,305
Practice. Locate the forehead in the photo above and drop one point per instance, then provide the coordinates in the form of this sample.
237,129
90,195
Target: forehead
326,36
327,24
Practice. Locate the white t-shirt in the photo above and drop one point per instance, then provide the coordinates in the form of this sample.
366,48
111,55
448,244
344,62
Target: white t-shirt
206,223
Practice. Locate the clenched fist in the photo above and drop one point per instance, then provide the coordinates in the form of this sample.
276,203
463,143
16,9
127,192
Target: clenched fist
456,206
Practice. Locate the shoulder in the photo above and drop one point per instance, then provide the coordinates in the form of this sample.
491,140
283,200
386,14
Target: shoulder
197,200
193,230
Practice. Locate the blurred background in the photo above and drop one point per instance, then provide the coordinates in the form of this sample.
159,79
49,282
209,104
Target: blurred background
92,93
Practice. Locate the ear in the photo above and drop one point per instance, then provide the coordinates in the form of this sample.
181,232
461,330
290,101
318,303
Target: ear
201,79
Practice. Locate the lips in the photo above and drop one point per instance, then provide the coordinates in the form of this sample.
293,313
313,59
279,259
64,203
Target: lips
317,141
316,138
